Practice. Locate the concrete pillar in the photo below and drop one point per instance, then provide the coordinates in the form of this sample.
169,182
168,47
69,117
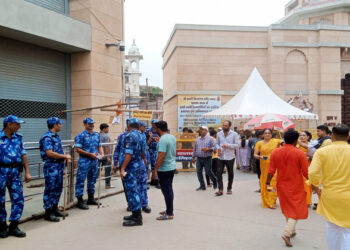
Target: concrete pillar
97,75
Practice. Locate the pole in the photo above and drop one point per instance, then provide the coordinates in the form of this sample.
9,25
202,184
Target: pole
97,107
65,190
71,177
147,94
99,183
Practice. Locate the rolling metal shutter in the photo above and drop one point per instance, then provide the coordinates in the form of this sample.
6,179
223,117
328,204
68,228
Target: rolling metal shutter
32,86
60,6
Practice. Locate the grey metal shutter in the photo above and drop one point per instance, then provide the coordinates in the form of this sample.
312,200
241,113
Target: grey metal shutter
32,86
59,6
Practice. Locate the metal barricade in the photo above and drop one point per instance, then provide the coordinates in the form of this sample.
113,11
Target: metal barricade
34,190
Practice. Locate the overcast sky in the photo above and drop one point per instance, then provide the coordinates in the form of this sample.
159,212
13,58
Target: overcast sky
151,22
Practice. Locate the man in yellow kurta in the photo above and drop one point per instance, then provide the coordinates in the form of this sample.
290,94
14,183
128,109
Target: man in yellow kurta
331,167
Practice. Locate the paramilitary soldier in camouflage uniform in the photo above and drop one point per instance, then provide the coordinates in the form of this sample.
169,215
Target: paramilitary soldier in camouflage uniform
130,160
116,156
152,133
51,152
144,170
88,145
12,158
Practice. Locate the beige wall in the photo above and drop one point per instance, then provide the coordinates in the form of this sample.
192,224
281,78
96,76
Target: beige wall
97,75
170,114
285,68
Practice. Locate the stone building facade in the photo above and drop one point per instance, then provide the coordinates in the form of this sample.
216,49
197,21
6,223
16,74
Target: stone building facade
304,54
54,57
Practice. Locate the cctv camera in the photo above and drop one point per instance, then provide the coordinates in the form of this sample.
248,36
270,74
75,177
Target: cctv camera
121,45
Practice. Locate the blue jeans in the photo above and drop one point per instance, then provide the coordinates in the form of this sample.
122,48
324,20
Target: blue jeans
205,163
166,185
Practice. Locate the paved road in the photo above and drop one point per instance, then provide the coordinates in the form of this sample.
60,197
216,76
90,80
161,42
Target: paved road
202,221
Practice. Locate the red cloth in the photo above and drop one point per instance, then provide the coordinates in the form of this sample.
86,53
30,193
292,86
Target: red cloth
291,165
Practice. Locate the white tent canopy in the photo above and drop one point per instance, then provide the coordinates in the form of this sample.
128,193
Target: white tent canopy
256,98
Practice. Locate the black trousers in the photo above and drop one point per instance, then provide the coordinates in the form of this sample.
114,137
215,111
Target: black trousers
214,168
229,166
166,185
257,167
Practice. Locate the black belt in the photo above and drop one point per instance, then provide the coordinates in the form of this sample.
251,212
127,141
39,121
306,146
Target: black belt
10,165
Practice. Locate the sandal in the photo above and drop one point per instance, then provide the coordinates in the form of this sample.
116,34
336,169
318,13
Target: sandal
229,192
219,193
287,241
165,217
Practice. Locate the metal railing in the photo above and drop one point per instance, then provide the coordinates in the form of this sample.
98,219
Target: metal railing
34,190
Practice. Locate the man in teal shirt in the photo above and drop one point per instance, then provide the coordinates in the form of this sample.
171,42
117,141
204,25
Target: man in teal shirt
165,167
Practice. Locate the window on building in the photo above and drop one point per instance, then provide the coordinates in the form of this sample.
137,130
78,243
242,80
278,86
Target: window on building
133,65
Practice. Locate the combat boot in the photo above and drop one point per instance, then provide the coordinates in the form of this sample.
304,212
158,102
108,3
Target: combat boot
15,231
146,209
129,217
50,216
3,230
57,212
135,221
81,204
92,201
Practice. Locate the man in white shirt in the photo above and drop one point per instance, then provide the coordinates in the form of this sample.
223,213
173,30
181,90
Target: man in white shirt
227,141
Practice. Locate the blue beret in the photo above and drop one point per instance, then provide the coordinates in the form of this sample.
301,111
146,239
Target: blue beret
88,121
54,120
154,121
142,124
133,121
12,118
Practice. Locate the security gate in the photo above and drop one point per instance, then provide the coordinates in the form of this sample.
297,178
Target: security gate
33,85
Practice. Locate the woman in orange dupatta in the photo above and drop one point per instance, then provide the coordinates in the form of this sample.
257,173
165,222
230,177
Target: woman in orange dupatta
263,150
305,138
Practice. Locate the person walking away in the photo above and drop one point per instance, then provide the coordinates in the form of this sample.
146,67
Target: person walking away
305,138
51,152
263,150
89,147
227,141
244,152
165,167
107,151
204,147
330,166
12,158
292,166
